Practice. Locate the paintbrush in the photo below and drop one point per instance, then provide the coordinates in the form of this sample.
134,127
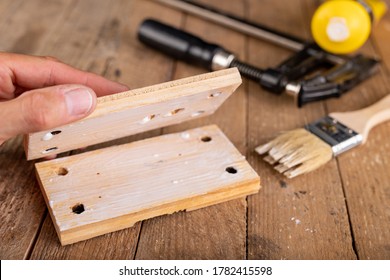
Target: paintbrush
306,149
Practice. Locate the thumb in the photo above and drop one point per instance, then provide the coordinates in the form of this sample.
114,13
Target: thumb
44,109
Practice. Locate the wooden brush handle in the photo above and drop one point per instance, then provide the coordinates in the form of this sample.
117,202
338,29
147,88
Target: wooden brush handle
363,120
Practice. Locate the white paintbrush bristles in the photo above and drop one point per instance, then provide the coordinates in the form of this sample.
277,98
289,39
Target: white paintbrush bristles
296,152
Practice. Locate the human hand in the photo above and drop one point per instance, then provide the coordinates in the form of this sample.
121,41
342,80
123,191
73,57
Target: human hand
40,93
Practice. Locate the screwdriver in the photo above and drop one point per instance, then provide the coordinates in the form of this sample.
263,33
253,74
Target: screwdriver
299,76
186,47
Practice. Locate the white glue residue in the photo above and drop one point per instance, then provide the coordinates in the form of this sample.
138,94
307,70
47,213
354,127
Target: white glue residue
48,136
185,135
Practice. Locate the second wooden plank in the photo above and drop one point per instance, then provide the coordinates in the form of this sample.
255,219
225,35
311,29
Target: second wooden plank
110,189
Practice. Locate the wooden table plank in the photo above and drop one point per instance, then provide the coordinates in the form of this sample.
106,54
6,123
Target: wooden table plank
380,36
69,43
305,217
338,212
24,28
217,232
113,50
21,204
365,170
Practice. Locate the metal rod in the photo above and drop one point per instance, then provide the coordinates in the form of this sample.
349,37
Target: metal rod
249,28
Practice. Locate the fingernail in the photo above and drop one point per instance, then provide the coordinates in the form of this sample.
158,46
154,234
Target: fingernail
125,88
79,101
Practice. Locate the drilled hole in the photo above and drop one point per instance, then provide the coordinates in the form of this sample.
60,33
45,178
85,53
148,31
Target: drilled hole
206,138
49,150
148,118
231,170
118,73
62,171
198,113
174,112
215,94
49,135
78,208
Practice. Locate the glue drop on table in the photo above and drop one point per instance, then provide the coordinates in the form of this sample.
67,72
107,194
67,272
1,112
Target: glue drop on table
343,26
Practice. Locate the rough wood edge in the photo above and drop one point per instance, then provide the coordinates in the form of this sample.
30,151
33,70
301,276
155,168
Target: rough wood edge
189,204
134,100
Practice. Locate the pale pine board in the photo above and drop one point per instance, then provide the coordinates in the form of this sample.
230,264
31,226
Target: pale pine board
137,111
121,185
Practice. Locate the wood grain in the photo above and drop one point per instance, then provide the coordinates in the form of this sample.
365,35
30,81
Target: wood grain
302,218
125,60
364,170
97,192
341,211
118,245
135,111
21,203
363,120
217,232
380,37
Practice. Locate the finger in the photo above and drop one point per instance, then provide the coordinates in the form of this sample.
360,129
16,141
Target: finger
44,109
37,72
50,157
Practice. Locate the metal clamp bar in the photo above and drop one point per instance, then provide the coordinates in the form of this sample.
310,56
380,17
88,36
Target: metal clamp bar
252,29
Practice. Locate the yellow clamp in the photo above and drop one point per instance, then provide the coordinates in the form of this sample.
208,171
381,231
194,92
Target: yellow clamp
343,26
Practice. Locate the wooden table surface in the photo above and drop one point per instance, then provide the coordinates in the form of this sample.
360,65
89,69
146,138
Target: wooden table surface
341,211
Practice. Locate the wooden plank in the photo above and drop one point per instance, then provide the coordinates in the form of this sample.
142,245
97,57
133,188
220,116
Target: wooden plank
219,231
302,218
137,111
97,192
118,245
380,37
365,170
116,53
30,26
21,203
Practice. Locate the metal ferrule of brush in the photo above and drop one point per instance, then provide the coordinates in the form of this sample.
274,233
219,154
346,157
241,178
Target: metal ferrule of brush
340,137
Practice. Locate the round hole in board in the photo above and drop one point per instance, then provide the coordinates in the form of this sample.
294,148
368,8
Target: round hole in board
118,72
215,94
62,171
78,208
198,113
49,150
148,118
206,139
174,112
231,170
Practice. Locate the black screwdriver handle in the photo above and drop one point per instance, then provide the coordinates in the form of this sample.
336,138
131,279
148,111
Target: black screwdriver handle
177,43
192,49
